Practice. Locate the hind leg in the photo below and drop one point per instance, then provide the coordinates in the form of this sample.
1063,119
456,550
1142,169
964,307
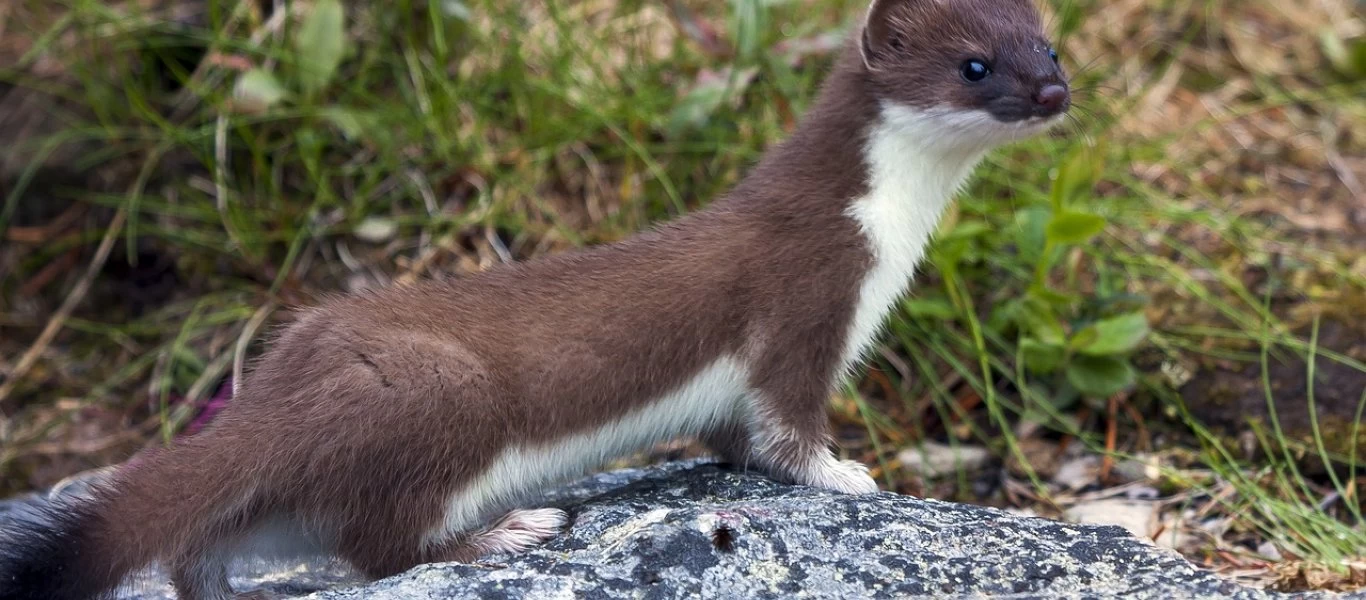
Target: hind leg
206,578
201,576
516,531
378,555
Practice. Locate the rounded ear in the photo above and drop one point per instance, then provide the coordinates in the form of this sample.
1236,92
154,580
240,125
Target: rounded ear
877,28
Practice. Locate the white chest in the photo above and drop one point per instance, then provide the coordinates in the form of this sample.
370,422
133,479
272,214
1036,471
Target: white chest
910,184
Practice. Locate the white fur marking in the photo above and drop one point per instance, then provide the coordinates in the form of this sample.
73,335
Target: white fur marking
521,529
842,476
711,396
917,161
911,180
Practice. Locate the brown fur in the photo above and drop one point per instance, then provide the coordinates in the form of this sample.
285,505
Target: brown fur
369,411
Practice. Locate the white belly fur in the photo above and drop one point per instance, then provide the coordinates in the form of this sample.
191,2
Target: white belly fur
711,396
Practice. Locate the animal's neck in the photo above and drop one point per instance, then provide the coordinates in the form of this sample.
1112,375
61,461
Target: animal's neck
890,169
913,173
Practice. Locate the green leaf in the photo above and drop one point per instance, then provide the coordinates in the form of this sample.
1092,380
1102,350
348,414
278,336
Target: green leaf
1040,357
1081,338
712,90
1077,175
749,20
355,125
1064,398
319,45
1357,64
930,307
969,229
1031,226
1002,319
1039,319
1116,335
1348,58
1053,297
1113,305
949,252
1074,227
1100,376
256,91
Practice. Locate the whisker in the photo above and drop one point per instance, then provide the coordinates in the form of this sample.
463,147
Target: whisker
1084,108
1084,69
1097,86
1077,126
1097,118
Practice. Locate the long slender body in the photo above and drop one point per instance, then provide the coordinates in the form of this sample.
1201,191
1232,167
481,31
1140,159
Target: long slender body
413,424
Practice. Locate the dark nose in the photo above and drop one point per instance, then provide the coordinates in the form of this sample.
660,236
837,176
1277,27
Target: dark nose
1051,99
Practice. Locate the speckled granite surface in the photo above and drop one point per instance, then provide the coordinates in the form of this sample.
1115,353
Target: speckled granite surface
695,530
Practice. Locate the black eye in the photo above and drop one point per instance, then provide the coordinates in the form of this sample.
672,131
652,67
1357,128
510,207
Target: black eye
975,70
1053,54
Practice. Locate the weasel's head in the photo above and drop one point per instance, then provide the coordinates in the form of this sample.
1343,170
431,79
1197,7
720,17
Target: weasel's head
979,72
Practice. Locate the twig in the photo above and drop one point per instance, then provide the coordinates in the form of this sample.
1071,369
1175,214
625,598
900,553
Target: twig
82,287
889,391
93,475
1107,461
239,357
498,247
63,313
44,233
593,202
200,388
417,267
49,272
1225,491
424,190
220,177
899,365
279,13
1145,441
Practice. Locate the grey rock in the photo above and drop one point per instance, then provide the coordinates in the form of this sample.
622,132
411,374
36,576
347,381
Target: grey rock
698,530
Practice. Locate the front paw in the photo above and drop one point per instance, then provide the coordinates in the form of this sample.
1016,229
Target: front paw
842,476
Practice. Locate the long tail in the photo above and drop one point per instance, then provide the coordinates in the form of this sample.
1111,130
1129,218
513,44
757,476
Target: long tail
84,548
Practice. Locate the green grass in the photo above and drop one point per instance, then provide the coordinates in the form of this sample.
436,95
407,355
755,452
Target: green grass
450,141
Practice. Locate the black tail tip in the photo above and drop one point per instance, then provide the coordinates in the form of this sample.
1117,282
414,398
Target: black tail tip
46,553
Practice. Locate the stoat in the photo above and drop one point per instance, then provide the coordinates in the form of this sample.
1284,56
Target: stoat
413,424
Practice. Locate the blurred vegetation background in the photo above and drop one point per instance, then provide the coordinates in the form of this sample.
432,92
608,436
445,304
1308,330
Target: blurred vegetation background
1155,317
